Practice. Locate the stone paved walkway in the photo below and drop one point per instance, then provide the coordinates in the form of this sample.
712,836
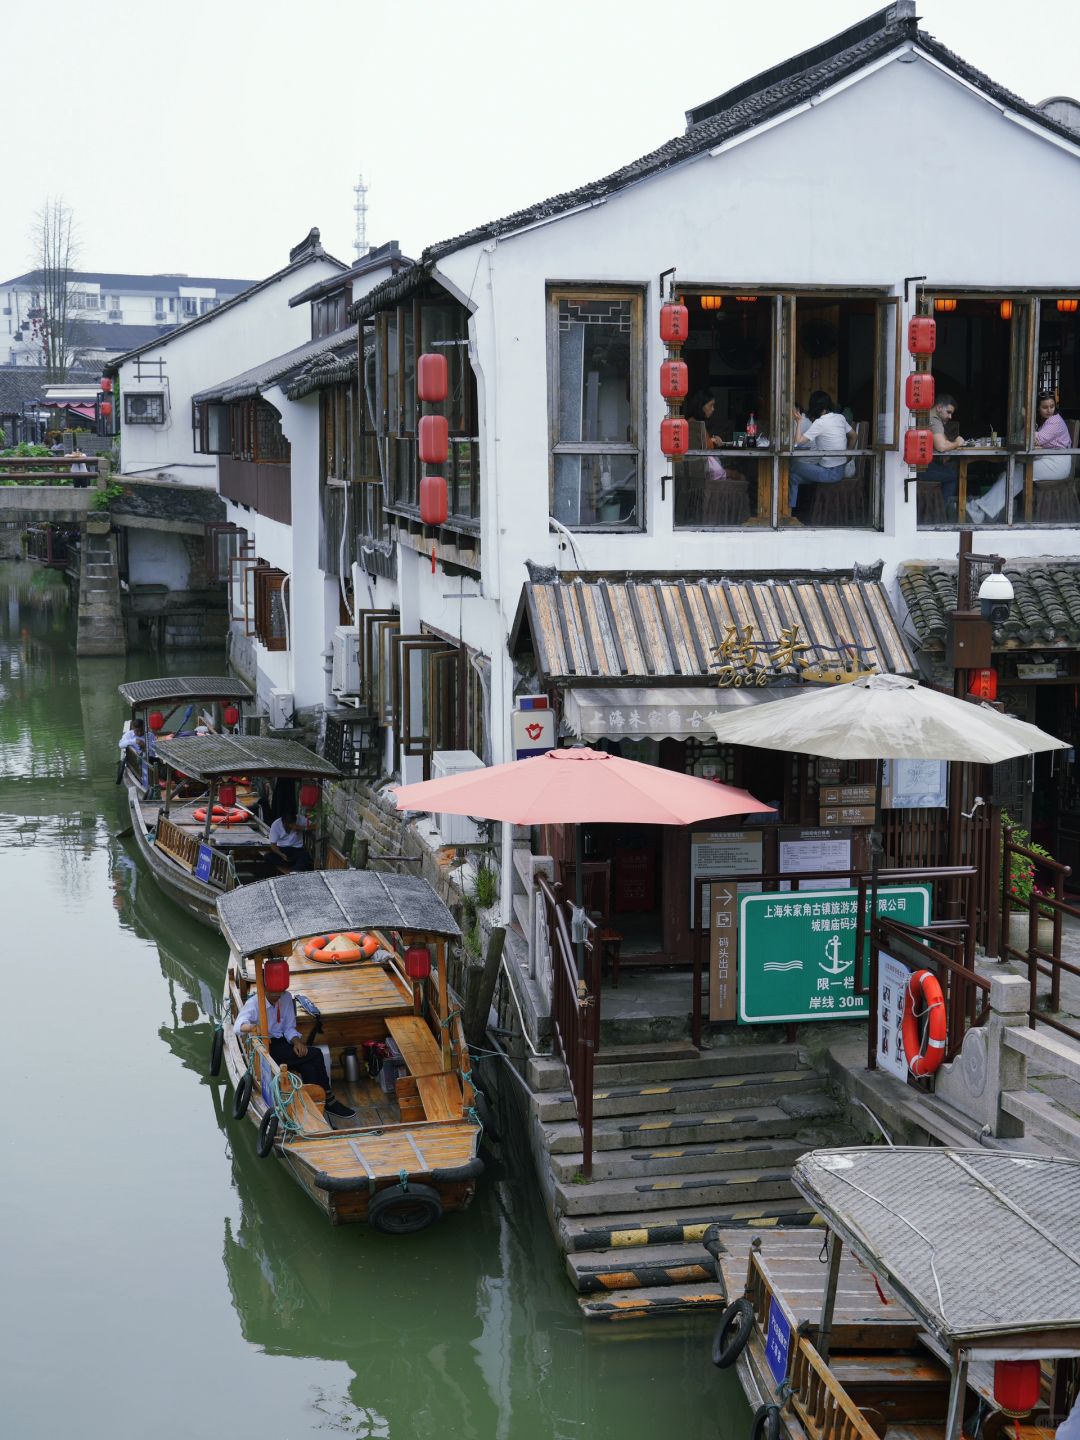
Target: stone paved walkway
1065,1092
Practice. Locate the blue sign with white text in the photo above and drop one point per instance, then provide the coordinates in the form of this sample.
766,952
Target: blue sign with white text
778,1341
202,869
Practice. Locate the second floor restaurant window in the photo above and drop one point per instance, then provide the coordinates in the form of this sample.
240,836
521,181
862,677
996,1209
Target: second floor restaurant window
595,390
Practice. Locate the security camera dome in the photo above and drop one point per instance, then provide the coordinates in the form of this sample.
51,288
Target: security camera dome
996,588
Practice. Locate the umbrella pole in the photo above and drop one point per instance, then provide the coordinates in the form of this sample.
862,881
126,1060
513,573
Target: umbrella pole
579,890
877,845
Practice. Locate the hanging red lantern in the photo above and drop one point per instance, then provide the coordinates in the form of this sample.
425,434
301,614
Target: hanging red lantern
309,796
1016,1386
434,499
712,302
226,795
983,684
105,383
918,447
434,439
674,323
418,962
922,335
230,715
155,720
948,306
919,392
106,407
1005,309
1068,307
674,379
276,975
674,435
432,381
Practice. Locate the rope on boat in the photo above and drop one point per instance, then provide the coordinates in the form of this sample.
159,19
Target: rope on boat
283,1103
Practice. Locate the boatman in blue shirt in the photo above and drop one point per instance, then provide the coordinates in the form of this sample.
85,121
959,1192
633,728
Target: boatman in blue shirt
286,1046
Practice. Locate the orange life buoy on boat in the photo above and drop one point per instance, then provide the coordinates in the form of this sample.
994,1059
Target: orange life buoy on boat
924,1057
222,815
319,948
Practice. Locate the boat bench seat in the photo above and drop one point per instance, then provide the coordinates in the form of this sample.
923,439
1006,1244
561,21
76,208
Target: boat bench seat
440,1096
418,1046
899,1387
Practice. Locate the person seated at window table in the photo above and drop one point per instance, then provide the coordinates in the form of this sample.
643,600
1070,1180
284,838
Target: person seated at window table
828,430
941,468
1052,434
287,842
699,411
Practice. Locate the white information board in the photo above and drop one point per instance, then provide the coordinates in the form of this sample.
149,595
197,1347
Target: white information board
893,980
722,852
915,784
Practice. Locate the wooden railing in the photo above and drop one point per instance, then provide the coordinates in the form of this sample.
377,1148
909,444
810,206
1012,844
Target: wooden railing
575,1012
184,849
758,1290
1041,958
819,1400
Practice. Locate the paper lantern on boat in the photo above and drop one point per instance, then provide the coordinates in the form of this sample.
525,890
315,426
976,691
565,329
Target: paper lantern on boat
674,379
432,383
919,392
434,439
276,974
922,335
1016,1385
309,796
674,323
226,795
155,720
230,714
105,383
918,447
418,962
434,499
674,435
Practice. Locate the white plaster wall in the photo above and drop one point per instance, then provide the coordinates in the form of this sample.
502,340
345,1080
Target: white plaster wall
235,340
157,557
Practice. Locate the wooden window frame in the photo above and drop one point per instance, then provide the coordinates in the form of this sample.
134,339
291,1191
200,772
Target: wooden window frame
414,743
238,580
268,582
211,534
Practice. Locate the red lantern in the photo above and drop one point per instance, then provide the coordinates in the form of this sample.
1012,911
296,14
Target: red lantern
674,435
674,324
434,438
1016,1386
918,447
434,499
309,796
983,684
948,306
432,383
674,379
106,407
276,974
230,715
156,720
105,383
226,795
418,962
922,335
1068,307
919,392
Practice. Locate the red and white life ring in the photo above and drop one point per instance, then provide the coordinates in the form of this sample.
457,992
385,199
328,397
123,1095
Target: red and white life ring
222,815
923,1000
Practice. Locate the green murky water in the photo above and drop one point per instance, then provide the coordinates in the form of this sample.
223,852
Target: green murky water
158,1279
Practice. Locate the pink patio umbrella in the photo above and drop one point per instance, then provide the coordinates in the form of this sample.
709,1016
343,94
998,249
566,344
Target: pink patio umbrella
567,787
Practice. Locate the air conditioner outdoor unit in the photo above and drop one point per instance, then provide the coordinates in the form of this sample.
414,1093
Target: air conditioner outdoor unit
115,314
346,676
455,829
281,709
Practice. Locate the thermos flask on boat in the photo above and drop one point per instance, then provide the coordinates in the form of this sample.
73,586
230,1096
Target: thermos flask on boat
351,1065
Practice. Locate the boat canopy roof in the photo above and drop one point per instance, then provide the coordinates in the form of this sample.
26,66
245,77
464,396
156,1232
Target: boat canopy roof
208,757
292,907
185,687
983,1246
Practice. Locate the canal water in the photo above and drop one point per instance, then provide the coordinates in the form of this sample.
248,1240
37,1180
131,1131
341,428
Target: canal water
158,1279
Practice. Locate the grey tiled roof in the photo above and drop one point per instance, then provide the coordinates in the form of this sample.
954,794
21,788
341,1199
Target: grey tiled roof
131,284
185,687
20,384
278,370
1045,612
749,104
208,756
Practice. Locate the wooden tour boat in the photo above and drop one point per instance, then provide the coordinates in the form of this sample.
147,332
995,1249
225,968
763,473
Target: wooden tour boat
195,846
409,1152
942,1298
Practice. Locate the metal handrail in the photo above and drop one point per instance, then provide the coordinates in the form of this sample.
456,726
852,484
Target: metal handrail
1039,960
575,1013
961,982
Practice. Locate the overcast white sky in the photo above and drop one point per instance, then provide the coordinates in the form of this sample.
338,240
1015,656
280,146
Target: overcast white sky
209,136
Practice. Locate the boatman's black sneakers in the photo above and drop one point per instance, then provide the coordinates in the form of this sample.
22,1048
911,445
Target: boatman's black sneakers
339,1115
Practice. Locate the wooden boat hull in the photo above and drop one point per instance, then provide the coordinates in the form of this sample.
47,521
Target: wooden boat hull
195,896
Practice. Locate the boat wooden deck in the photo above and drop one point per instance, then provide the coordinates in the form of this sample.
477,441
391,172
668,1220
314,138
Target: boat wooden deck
413,1149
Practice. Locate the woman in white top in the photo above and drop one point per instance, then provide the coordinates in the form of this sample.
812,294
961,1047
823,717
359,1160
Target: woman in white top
828,430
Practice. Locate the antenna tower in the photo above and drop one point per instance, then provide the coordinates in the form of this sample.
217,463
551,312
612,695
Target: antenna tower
360,244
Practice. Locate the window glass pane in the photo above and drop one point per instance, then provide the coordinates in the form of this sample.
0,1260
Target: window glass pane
443,330
408,377
595,391
217,420
596,489
392,399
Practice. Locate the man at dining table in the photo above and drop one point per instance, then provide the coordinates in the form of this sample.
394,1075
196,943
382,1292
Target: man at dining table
942,468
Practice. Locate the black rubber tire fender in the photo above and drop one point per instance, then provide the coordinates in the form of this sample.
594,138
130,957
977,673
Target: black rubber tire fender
242,1096
484,1115
766,1424
267,1134
398,1211
732,1333
217,1050
459,1173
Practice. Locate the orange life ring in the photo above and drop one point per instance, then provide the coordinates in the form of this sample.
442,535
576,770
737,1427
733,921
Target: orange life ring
222,815
363,945
924,1057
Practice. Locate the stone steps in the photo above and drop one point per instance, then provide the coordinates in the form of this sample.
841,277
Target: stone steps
729,1187
663,1300
624,1133
752,1153
704,1095
733,1060
601,1271
676,1226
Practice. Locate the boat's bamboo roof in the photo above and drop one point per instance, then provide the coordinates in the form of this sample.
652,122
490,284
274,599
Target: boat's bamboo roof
208,757
185,687
291,907
983,1246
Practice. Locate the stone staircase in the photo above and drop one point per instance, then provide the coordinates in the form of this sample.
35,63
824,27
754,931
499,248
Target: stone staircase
682,1139
100,622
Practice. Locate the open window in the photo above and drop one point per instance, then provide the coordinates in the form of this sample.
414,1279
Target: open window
271,607
211,428
241,563
426,701
224,540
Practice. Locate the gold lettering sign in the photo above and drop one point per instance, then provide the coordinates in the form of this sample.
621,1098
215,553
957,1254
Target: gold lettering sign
750,661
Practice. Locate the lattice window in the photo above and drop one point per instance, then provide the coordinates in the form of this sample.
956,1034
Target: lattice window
271,608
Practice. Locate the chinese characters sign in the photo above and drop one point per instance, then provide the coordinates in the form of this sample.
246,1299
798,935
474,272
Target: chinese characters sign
892,987
777,1341
797,954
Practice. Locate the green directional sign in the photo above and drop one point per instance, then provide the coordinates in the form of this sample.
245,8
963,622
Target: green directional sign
797,951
